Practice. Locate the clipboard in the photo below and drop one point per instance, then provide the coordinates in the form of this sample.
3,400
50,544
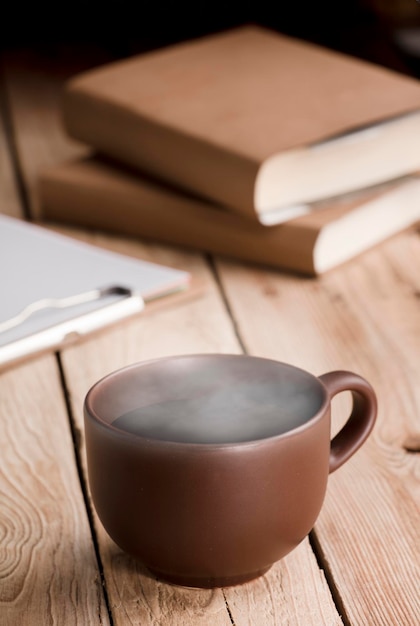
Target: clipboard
55,289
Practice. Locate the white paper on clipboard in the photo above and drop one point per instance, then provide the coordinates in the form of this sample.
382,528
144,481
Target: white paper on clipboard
38,264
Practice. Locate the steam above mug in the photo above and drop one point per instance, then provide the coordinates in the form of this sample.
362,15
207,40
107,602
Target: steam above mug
210,468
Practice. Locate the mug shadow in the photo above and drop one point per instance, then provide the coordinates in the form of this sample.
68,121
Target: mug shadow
124,565
135,592
127,568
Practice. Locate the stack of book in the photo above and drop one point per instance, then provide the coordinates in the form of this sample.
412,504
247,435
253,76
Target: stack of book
245,143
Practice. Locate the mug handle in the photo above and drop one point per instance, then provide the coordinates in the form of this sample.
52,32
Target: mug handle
362,418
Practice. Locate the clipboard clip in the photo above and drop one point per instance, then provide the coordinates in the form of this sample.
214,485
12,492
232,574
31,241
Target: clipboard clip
63,303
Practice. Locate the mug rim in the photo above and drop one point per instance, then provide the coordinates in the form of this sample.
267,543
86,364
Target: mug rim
96,389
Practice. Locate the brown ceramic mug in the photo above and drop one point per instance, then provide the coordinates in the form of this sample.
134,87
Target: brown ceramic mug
210,468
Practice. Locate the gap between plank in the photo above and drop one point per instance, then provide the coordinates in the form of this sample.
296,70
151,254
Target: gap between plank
324,566
10,135
210,260
76,441
228,608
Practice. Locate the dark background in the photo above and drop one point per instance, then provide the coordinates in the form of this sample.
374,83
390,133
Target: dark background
371,29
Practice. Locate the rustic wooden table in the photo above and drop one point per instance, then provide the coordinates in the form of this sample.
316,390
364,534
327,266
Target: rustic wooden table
359,566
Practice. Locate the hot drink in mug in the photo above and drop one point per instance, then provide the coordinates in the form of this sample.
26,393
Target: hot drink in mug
210,468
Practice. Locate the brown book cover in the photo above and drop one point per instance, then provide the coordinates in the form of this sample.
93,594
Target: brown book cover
95,193
251,119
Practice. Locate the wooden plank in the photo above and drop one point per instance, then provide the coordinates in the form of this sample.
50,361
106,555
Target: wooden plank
363,317
201,326
292,592
48,569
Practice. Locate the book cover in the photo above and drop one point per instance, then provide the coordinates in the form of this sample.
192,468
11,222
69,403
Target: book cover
95,193
251,119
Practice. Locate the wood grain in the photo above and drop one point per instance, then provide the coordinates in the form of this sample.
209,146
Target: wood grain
363,317
285,595
202,325
48,569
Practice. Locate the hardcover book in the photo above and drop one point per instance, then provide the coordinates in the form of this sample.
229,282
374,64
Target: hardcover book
95,193
253,120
